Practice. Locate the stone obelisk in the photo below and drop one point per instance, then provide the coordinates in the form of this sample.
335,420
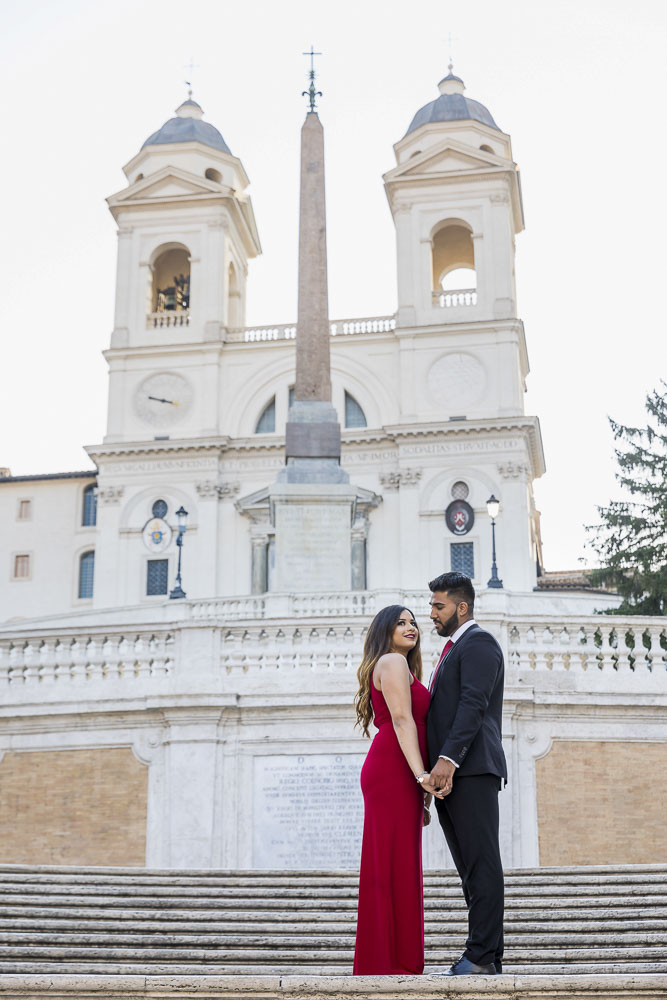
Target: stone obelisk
312,434
312,501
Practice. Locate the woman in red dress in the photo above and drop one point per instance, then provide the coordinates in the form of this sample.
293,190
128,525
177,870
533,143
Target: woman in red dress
390,923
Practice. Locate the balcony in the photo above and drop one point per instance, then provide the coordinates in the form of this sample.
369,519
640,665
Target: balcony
457,297
180,317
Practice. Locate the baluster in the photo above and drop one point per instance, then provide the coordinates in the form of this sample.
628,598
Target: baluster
16,664
623,650
95,659
78,666
31,661
5,660
120,665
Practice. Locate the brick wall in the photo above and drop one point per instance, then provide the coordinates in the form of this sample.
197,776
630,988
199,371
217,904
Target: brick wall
73,807
602,803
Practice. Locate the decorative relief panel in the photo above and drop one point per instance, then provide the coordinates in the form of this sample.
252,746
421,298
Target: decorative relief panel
108,496
457,381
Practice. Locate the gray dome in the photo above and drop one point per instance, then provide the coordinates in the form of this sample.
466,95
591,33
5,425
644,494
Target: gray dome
187,127
452,106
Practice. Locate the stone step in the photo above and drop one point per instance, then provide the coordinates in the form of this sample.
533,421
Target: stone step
137,986
295,923
289,936
281,955
77,920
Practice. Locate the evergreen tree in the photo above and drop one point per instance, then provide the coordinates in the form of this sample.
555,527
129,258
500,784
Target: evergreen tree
631,540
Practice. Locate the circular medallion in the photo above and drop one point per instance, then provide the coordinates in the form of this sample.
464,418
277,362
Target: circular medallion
456,381
156,535
459,517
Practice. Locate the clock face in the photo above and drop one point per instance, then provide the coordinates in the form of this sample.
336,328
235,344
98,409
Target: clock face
163,399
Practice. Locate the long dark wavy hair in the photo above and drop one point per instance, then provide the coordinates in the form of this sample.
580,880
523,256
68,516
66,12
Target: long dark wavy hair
377,643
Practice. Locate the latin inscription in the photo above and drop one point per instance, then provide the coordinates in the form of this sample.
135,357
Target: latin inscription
308,811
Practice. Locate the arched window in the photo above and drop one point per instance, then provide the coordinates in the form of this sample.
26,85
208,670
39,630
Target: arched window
354,415
213,175
267,421
487,149
89,514
86,574
453,253
171,281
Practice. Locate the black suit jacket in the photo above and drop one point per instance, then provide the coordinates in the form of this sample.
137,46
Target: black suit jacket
465,715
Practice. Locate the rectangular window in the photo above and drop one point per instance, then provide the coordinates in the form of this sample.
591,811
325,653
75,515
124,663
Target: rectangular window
22,567
86,575
25,510
462,558
157,576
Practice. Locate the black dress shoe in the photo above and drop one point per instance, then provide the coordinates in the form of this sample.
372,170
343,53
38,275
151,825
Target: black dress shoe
464,967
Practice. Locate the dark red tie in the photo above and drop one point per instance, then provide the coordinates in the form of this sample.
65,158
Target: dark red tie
448,646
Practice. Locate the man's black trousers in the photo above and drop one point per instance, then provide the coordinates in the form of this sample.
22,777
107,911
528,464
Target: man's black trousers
469,818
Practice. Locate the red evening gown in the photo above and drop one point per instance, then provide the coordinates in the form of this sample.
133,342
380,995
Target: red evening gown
390,922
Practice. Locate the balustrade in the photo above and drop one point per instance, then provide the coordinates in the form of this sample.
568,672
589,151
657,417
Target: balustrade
460,297
179,317
83,658
320,632
337,328
629,645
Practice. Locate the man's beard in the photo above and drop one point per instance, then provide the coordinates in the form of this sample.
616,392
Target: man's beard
449,627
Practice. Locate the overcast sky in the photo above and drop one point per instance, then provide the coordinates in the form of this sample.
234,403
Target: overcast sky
580,85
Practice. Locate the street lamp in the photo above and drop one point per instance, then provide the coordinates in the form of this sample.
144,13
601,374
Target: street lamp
493,506
182,518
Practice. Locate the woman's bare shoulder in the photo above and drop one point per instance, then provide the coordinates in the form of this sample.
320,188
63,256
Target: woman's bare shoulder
390,665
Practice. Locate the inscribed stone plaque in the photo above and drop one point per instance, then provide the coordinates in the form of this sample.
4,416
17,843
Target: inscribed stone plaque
312,546
308,811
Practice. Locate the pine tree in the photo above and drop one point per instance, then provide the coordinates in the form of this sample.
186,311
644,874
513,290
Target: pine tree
631,540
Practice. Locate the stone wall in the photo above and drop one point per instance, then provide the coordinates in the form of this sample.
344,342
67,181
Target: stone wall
73,807
602,803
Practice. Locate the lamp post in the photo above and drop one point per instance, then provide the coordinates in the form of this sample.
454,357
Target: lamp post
182,518
493,506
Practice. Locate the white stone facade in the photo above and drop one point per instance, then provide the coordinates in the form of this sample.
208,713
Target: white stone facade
222,693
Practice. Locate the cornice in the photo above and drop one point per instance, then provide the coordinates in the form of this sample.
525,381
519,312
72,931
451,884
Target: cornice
147,350
156,448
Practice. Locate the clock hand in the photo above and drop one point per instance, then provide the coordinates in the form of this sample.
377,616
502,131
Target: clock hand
156,399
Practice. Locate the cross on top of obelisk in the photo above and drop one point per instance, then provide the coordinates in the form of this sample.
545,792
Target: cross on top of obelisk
311,93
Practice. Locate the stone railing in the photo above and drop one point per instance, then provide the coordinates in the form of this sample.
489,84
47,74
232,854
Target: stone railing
606,644
337,328
279,606
460,297
74,657
171,318
320,632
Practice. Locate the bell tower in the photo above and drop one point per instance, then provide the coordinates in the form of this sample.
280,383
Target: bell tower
186,232
455,197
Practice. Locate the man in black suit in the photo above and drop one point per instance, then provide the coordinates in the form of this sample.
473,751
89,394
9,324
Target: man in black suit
467,763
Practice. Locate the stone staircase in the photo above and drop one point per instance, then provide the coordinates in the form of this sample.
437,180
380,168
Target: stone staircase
113,921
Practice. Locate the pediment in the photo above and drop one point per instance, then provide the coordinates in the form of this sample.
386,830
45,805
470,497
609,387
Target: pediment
170,182
446,158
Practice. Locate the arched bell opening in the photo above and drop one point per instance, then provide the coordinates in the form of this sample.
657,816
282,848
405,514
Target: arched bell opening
454,274
171,280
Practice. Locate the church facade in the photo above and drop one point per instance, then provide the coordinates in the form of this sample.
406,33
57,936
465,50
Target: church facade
220,709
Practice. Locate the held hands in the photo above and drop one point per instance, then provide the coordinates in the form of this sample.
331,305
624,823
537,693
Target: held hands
440,780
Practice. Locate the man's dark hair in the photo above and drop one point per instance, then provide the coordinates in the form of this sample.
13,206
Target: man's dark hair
457,585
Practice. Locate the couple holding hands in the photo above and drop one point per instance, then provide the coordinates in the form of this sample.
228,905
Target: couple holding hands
439,743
